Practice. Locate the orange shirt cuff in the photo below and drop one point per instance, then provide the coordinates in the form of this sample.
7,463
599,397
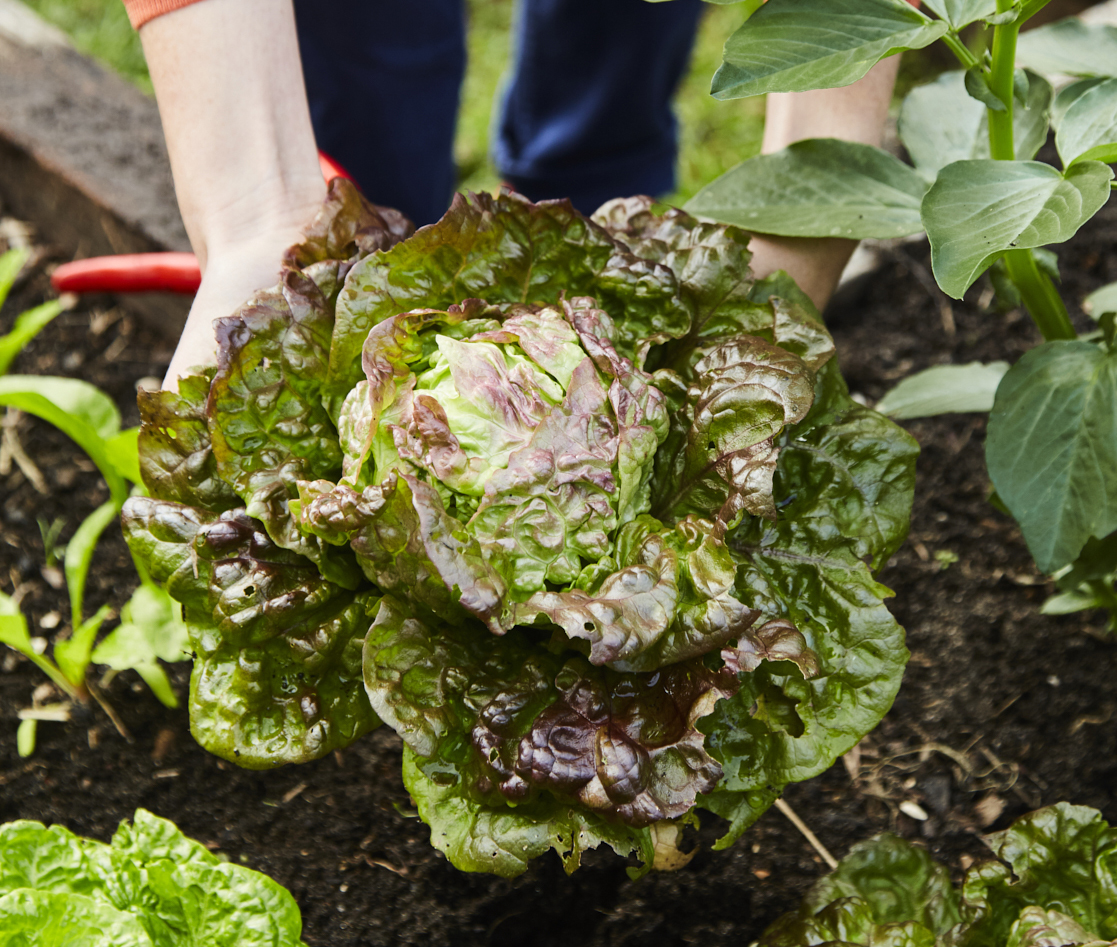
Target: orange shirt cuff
140,11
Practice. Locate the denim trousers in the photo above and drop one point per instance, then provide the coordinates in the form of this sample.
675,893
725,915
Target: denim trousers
585,113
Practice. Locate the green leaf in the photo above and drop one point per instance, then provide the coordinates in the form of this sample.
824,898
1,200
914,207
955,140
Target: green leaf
25,737
1088,128
176,453
152,883
45,919
511,723
1052,448
977,210
504,250
741,809
1070,47
808,568
278,648
711,262
501,839
959,13
851,484
1062,856
944,389
721,453
124,452
267,423
14,633
72,654
27,325
977,85
48,859
81,411
79,554
797,45
1101,301
821,187
940,123
151,628
77,398
11,263
898,880
13,626
1037,926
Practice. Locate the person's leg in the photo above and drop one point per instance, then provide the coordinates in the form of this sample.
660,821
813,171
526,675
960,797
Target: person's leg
383,78
588,114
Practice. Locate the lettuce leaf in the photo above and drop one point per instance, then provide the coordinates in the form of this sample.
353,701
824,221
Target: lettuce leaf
1063,857
505,250
277,647
510,721
1052,884
151,887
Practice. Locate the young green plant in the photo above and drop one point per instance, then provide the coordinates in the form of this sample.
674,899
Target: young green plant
151,627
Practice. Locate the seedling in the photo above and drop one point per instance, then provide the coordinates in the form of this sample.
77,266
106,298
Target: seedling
150,624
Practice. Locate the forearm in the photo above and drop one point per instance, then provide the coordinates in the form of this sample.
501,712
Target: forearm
229,84
857,112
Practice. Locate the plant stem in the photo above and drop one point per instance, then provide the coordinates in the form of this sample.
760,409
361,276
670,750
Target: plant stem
1036,289
1001,144
1040,296
961,51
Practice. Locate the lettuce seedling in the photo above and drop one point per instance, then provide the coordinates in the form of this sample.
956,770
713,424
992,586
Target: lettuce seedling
150,887
579,508
150,627
985,204
1053,881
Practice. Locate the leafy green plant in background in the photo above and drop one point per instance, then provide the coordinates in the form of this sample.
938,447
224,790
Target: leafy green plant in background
986,205
150,887
1053,882
150,626
581,509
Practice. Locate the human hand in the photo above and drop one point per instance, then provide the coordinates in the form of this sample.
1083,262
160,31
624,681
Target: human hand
229,84
230,278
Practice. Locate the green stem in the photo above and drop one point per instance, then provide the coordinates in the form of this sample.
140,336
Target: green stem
1036,289
961,51
48,668
1040,296
1001,144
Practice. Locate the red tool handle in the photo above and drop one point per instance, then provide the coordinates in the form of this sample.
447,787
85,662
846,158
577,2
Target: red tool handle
148,272
130,273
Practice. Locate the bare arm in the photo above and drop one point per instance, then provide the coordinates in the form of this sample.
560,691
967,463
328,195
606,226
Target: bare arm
229,84
854,113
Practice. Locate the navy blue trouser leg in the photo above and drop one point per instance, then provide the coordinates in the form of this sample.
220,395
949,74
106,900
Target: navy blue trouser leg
588,112
383,78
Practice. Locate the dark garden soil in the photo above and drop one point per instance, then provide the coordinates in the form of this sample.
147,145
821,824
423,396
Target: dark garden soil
1002,709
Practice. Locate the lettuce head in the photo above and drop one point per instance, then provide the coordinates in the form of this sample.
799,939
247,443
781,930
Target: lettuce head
578,507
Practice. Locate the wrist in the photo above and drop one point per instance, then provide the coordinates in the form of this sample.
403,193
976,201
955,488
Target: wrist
259,224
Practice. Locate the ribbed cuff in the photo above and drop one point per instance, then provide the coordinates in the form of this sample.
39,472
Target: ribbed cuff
140,11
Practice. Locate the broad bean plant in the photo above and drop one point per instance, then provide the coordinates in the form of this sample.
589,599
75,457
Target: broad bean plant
973,185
